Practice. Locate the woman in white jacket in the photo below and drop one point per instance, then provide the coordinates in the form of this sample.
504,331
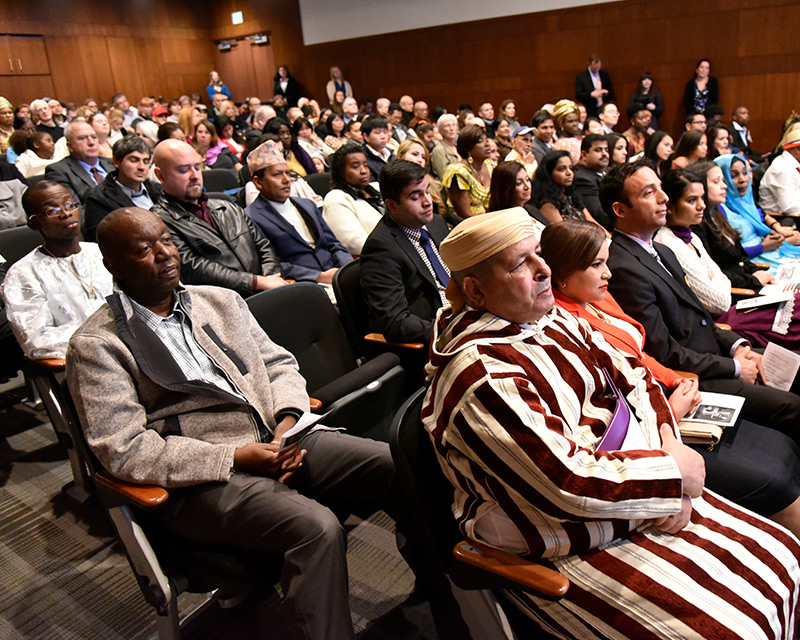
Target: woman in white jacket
352,207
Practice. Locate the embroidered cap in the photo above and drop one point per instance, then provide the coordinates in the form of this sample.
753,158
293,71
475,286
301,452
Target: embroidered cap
265,155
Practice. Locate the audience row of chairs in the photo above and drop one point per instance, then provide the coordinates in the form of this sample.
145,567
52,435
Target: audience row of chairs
365,399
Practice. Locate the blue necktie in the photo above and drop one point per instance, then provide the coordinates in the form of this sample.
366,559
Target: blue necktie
436,263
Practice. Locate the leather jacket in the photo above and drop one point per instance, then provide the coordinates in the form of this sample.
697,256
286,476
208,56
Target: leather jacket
228,256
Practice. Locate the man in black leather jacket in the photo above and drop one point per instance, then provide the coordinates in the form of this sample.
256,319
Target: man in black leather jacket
218,243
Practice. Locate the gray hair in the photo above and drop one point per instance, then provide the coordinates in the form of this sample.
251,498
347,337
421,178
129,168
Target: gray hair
444,119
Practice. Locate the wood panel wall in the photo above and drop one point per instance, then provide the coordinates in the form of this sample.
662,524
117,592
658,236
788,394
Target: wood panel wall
534,58
104,47
151,46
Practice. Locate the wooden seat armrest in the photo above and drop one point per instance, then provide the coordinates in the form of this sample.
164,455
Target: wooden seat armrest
54,364
761,265
738,291
536,577
316,405
723,326
687,374
144,495
378,337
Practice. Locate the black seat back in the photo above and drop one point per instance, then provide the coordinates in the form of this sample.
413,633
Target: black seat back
425,487
320,183
220,179
17,242
352,308
301,318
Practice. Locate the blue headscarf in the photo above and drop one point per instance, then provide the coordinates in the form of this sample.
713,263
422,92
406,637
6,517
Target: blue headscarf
744,205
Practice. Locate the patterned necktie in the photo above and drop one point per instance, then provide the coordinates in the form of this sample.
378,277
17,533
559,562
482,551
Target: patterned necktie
96,175
436,262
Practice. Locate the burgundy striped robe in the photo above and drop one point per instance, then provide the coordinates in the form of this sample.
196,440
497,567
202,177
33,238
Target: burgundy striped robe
516,414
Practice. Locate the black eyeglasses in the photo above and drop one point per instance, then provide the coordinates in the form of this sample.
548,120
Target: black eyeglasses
52,212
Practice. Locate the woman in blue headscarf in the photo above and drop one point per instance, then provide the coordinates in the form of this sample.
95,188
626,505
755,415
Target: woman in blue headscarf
761,235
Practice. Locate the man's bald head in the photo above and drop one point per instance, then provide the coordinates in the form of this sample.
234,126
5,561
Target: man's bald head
264,114
179,168
113,229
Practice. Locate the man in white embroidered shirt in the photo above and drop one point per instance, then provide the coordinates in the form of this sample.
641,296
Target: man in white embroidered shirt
52,290
402,276
521,407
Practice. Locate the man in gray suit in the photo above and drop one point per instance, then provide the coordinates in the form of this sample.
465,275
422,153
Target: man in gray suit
83,169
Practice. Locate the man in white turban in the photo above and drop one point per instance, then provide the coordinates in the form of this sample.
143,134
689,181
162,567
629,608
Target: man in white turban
562,449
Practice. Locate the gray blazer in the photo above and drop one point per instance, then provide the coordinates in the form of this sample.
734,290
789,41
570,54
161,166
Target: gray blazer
146,422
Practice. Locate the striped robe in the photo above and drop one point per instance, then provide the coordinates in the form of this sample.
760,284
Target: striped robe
516,414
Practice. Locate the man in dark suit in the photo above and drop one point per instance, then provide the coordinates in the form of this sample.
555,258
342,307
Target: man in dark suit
593,87
545,128
741,134
126,186
83,169
375,131
402,276
590,170
304,242
650,285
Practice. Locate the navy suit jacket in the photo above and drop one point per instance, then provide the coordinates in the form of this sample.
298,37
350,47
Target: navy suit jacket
398,288
584,87
299,260
74,178
375,163
680,333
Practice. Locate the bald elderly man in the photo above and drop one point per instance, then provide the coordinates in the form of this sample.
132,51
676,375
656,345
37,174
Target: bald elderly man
218,243
561,447
179,386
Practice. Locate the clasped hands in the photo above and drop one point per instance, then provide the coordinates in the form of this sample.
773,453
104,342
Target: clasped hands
750,361
693,473
267,458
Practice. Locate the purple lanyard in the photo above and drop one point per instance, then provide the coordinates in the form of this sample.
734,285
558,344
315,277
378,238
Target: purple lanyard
620,420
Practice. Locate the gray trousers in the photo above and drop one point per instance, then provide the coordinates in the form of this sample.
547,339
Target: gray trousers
343,472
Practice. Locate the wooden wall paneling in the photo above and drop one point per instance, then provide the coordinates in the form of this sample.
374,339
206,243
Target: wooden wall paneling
125,67
768,32
28,55
96,64
237,70
69,68
151,63
6,62
19,89
264,67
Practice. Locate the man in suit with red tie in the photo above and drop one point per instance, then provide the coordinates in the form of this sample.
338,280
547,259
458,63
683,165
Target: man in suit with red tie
83,169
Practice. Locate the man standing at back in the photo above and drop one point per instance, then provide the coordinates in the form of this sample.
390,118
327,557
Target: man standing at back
83,169
218,243
593,87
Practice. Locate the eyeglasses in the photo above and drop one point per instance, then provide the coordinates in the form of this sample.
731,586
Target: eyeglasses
52,212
